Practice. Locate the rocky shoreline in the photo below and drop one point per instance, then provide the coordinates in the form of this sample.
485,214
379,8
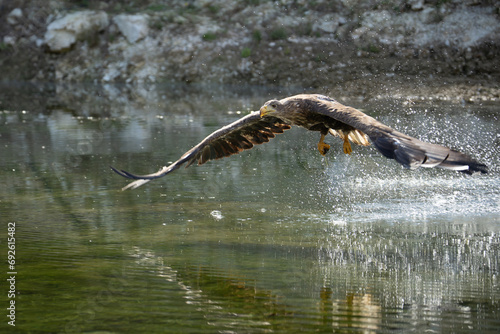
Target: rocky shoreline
320,44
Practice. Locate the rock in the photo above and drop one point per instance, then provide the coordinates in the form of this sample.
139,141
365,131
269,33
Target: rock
329,23
14,16
416,5
460,29
9,40
112,72
64,32
133,27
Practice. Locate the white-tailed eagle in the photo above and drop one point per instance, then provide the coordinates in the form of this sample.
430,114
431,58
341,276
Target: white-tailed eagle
327,116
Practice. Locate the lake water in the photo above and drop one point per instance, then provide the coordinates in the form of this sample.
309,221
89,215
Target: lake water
277,239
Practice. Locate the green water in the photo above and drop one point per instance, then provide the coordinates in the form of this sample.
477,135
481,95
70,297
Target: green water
276,239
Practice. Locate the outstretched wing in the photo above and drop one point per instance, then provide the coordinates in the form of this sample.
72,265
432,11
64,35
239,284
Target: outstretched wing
240,135
408,151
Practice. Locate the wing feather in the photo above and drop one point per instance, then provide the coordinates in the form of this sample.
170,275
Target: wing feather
228,140
408,151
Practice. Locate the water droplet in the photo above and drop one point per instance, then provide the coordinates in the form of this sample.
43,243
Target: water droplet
216,214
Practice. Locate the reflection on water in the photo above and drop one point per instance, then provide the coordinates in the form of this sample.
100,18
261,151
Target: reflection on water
275,239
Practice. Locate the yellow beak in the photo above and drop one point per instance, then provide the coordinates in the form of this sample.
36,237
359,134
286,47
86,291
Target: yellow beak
266,110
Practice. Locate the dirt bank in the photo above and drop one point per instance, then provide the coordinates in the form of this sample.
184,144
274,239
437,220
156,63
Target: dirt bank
344,44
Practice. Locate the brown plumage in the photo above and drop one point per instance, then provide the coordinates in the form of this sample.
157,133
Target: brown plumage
316,113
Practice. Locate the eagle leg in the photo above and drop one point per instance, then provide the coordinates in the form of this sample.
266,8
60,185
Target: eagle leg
323,147
347,145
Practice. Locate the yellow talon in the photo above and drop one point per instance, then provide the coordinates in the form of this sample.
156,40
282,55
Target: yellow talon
323,147
347,146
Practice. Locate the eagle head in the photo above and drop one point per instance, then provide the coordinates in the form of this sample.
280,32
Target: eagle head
271,107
